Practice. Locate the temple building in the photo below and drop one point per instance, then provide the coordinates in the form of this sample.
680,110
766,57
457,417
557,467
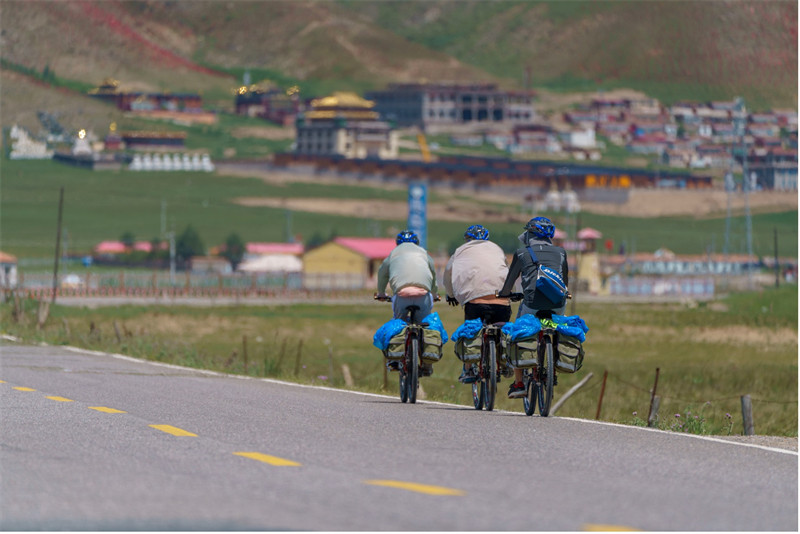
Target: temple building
344,124
270,103
441,104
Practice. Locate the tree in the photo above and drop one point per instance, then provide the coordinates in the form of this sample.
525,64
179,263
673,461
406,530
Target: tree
128,239
234,250
189,244
155,250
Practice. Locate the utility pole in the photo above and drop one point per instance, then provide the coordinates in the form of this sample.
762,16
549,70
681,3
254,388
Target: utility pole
163,217
58,245
777,263
289,236
742,120
171,237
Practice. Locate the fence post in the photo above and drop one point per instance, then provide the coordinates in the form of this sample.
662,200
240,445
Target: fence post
348,378
297,358
652,417
244,352
747,415
569,393
330,364
652,398
116,333
602,392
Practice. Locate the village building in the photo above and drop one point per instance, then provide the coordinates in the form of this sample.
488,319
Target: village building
8,270
344,124
428,105
272,104
165,105
345,262
272,257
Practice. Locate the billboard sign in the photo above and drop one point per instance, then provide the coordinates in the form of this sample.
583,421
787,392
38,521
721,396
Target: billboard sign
417,211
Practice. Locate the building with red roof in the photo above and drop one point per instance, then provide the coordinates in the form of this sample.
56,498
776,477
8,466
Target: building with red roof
345,262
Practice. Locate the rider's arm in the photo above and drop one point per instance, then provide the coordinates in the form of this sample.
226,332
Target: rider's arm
447,279
565,274
513,273
434,287
383,277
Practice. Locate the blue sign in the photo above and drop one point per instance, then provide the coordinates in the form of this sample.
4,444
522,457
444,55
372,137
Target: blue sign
417,211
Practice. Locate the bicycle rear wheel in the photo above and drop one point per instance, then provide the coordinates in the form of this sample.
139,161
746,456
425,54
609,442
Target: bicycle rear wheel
546,378
477,394
490,376
531,393
412,383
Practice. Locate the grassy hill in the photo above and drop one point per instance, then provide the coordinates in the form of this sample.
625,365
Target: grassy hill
672,50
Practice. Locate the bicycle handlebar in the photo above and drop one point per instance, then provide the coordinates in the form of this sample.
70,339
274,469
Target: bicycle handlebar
387,298
516,297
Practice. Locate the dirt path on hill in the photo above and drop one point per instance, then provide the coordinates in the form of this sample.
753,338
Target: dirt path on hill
642,203
698,204
454,210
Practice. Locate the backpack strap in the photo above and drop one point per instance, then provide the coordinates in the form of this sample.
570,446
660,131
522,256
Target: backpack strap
533,256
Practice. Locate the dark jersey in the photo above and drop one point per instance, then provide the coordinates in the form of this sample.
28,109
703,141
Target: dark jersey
522,265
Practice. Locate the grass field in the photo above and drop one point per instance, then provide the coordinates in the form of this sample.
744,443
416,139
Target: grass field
709,355
102,205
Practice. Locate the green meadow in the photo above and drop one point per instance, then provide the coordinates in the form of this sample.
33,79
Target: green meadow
101,205
708,354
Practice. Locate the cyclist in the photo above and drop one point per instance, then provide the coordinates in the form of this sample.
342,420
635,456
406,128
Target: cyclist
410,272
471,277
538,235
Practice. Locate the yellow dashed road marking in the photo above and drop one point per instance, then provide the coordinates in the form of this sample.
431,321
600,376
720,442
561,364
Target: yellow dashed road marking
419,488
60,399
105,410
2,381
175,431
21,388
267,459
591,527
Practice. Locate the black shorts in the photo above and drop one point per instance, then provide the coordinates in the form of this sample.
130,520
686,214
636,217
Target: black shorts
489,313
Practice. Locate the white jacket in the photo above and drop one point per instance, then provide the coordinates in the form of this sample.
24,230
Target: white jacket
476,269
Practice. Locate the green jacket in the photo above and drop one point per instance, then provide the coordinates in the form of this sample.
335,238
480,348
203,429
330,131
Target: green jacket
407,265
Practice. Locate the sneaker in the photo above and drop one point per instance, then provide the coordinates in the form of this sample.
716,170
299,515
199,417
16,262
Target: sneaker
393,366
468,376
516,391
425,370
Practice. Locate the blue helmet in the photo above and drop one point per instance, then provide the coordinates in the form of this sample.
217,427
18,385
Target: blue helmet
476,231
541,227
407,236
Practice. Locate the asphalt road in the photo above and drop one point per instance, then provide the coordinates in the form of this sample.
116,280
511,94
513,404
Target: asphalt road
91,441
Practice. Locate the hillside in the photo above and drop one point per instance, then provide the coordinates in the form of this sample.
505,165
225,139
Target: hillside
671,50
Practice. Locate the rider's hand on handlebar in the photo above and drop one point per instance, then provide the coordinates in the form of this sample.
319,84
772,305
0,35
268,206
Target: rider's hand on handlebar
380,296
451,300
514,297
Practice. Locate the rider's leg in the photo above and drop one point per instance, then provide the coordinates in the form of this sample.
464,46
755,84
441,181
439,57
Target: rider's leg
400,303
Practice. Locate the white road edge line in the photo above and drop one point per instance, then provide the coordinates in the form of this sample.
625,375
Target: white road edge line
377,395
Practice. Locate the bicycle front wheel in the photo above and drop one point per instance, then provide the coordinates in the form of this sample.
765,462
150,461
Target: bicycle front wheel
412,383
404,381
546,378
531,392
490,375
477,394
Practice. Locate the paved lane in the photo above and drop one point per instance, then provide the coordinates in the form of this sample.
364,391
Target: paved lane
92,441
